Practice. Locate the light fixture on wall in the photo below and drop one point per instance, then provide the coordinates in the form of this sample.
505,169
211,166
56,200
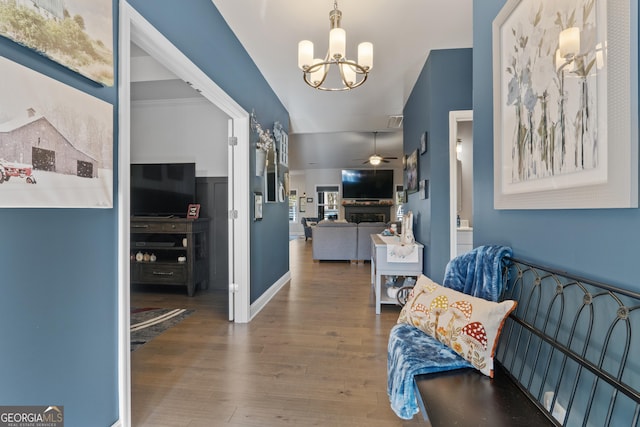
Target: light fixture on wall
351,74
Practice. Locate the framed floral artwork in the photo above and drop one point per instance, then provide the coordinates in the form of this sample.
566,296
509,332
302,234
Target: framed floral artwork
565,121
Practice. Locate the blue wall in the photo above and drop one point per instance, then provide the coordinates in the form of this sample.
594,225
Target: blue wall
58,310
443,85
597,243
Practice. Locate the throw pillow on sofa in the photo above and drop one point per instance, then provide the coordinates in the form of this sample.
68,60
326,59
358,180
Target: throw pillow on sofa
468,325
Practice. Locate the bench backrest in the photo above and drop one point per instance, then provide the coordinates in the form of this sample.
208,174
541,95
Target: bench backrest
572,344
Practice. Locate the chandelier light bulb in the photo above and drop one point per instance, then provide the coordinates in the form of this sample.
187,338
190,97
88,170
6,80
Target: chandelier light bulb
365,55
305,54
337,43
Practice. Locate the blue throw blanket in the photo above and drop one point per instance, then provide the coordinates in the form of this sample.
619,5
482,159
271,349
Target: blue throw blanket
478,272
412,352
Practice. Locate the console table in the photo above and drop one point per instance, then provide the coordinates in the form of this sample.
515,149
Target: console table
380,266
174,252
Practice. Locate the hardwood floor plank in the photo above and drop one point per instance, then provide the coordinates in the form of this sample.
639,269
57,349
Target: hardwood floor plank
314,356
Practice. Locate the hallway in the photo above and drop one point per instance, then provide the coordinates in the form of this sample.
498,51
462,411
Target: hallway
314,356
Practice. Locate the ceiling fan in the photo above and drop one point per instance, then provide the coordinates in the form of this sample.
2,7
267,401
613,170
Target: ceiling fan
375,159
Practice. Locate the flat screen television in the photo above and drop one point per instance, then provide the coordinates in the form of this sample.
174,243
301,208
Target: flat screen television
367,184
162,189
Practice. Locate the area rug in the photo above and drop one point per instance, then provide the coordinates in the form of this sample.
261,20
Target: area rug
148,323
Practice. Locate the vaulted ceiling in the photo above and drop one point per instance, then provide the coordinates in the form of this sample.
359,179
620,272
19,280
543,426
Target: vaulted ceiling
335,129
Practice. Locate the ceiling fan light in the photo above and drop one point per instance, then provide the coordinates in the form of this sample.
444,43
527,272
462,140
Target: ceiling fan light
305,54
375,160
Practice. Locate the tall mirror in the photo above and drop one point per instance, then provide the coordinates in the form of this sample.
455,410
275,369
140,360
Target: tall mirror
271,176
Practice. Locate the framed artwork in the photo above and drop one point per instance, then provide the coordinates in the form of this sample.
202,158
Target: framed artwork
411,172
424,189
257,206
303,203
565,105
309,199
56,143
424,141
77,34
193,212
282,139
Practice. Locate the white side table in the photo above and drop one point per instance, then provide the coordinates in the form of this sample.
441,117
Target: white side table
381,267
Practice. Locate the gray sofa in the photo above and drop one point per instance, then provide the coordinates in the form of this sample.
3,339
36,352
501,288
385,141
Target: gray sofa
365,230
334,241
344,241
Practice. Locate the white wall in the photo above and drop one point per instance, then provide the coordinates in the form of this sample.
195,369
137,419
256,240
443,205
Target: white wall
305,181
465,133
180,130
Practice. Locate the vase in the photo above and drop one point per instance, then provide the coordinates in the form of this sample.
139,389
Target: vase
261,162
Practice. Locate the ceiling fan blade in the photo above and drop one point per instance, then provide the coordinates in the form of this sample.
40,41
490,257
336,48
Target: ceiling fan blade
391,158
385,161
364,163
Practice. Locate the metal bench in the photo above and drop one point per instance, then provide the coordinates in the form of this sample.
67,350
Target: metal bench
567,357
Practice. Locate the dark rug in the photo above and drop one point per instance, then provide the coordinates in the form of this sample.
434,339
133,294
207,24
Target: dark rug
148,323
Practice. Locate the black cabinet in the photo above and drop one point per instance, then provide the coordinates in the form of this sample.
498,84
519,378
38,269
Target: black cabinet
170,251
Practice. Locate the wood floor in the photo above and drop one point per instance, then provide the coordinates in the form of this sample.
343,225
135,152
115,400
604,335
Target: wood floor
315,356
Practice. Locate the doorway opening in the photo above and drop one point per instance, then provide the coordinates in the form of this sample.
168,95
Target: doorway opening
460,181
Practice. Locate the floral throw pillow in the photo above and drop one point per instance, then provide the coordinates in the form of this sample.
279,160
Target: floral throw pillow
468,325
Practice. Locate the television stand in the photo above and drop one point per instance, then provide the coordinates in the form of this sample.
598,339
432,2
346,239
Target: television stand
180,248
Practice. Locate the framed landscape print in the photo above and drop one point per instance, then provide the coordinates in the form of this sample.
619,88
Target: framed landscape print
56,143
565,104
75,33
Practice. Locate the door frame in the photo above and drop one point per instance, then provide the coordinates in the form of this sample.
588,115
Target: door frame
455,117
134,27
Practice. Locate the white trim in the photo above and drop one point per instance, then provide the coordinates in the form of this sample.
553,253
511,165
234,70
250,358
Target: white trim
171,102
262,301
455,117
133,27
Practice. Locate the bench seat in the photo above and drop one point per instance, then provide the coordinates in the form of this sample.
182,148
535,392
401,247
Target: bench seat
482,401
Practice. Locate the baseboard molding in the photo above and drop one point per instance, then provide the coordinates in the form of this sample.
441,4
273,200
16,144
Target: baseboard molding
261,302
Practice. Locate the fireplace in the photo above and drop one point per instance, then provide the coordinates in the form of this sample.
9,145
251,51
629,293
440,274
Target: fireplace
367,212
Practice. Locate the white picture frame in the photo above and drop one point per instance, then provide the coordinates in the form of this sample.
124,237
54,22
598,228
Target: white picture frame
56,143
565,125
282,140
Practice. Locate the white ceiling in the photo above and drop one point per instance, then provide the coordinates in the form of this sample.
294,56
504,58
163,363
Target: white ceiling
335,129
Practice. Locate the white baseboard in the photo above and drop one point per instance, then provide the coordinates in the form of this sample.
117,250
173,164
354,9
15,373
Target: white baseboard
261,302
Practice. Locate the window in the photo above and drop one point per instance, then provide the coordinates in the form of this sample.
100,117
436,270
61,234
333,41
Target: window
328,201
293,206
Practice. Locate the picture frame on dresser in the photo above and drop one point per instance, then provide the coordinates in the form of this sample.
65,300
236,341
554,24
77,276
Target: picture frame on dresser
193,212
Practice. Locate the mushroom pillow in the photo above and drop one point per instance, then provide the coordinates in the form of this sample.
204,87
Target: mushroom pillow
468,325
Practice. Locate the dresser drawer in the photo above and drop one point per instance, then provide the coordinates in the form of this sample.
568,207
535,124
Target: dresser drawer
160,273
159,227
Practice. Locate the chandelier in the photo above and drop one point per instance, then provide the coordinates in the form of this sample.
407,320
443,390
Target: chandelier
351,74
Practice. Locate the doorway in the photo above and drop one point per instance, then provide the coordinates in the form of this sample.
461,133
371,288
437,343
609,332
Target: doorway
460,183
134,28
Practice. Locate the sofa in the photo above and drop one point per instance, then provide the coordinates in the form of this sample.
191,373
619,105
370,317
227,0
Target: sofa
306,225
344,241
335,241
365,230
